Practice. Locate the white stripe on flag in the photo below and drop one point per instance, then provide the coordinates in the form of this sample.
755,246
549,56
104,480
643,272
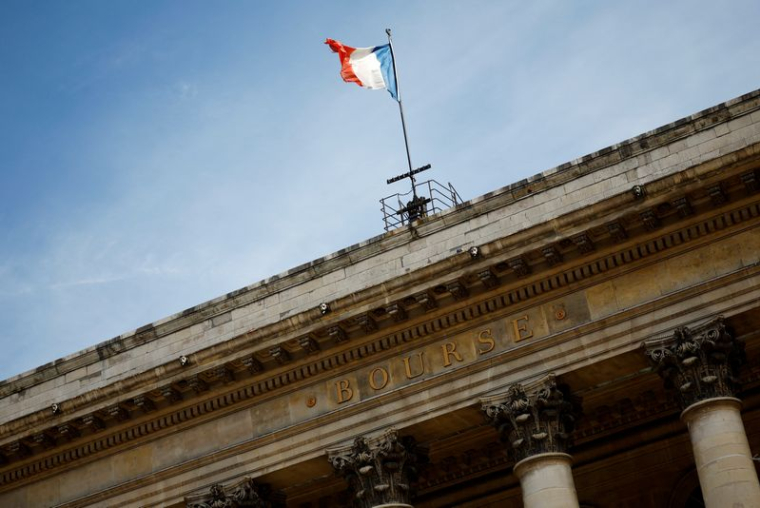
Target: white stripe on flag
367,68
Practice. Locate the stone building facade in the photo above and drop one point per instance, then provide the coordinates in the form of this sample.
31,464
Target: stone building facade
585,337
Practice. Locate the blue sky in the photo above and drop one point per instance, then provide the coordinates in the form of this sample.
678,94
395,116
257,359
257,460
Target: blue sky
155,155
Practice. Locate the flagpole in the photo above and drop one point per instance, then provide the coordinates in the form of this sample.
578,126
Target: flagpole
401,110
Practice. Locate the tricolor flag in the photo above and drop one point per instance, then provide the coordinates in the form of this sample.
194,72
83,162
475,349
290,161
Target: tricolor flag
367,67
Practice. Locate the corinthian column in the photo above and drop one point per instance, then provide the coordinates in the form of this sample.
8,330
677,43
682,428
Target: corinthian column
380,471
702,364
536,420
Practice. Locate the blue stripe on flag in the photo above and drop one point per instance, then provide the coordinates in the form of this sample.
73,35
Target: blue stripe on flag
383,54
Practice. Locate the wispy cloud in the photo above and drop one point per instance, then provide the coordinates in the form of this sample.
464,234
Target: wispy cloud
194,165
88,282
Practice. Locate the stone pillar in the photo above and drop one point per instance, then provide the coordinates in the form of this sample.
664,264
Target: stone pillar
380,471
537,420
702,365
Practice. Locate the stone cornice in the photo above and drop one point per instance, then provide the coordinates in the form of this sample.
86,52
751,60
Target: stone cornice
544,282
606,157
505,261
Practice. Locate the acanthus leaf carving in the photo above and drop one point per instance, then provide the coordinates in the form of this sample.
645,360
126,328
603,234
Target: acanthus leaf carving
534,419
700,363
380,471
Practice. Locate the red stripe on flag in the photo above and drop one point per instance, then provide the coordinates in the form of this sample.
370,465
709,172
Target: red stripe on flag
344,53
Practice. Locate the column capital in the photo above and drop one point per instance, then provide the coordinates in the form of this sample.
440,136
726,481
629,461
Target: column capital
700,363
535,418
380,471
243,494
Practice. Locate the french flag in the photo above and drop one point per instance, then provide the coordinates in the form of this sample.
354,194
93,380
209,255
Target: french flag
367,67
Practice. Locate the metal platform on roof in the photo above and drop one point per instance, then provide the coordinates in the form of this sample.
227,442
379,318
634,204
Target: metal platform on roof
430,197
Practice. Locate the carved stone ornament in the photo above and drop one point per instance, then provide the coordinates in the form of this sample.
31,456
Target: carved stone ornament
536,418
519,266
244,494
584,243
380,471
750,182
426,300
701,363
617,231
552,255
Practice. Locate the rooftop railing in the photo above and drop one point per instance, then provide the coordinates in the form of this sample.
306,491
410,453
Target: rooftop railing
431,197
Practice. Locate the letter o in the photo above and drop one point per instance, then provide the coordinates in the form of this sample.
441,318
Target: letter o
372,376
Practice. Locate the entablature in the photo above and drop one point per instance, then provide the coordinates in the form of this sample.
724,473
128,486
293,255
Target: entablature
507,276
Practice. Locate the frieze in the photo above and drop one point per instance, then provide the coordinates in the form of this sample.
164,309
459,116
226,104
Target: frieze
457,350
